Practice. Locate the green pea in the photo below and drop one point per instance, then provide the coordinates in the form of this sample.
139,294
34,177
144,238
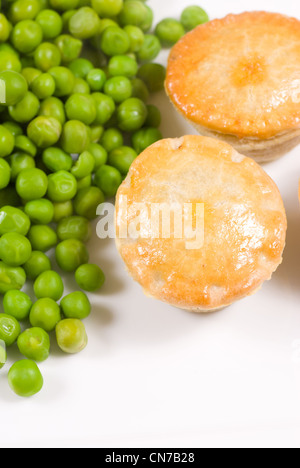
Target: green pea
11,278
37,264
108,179
3,354
84,165
75,137
9,329
19,162
55,159
193,16
154,75
84,182
154,116
118,88
34,343
4,28
13,220
107,8
95,133
144,138
25,378
99,154
89,277
50,22
9,61
71,336
122,65
48,284
53,107
24,144
81,87
84,23
44,131
42,237
15,86
122,158
70,254
17,304
26,109
62,186
96,79
43,86
62,210
74,227
47,56
150,48
81,107
7,142
169,31
64,81
81,67
40,211
87,201
105,107
136,37
111,139
148,20
14,128
15,249
69,47
31,184
27,36
30,74
5,173
24,9
114,41
139,90
45,314
132,115
76,306
134,13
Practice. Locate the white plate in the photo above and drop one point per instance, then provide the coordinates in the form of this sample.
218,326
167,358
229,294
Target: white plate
155,376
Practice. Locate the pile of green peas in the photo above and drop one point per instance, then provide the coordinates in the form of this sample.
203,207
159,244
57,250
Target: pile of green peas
76,76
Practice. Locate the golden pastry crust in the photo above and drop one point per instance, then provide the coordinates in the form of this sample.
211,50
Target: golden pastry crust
239,75
244,223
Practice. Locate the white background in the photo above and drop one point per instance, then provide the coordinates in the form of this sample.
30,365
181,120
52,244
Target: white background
155,376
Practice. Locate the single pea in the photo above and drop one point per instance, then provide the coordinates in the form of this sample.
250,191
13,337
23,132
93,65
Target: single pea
5,174
13,220
81,67
4,28
89,277
15,249
24,144
17,304
34,343
14,128
169,31
148,20
69,47
64,81
81,87
30,74
136,37
70,254
150,49
55,159
154,116
43,86
132,115
48,284
26,109
193,16
71,336
95,132
108,179
153,74
42,237
111,139
114,41
84,182
40,211
118,88
99,154
64,5
3,354
83,166
9,329
47,56
76,305
62,186
50,22
74,227
32,184
25,378
62,210
122,158
75,137
81,107
44,131
122,65
84,23
19,162
7,142
36,265
66,16
87,201
140,90
26,36
96,79
24,9
45,314
134,13
9,61
144,138
105,107
11,278
107,8
15,86
53,107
